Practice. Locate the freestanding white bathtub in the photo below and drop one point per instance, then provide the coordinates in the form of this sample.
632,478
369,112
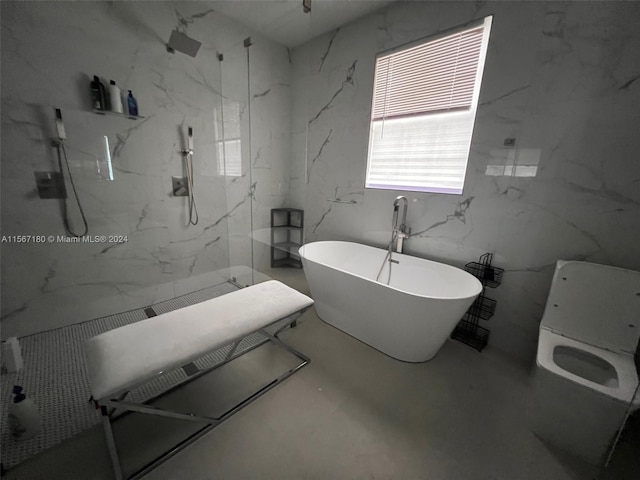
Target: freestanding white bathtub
409,319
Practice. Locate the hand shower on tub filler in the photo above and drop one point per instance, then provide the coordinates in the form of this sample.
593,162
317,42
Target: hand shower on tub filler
399,230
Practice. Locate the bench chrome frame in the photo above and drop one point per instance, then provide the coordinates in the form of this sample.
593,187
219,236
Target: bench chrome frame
108,406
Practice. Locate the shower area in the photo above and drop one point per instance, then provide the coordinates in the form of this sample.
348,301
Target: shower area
176,198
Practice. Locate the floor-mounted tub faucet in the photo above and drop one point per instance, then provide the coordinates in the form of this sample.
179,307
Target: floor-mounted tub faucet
399,222
399,232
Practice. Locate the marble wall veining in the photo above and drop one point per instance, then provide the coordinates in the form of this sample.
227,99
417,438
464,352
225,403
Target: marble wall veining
562,78
50,50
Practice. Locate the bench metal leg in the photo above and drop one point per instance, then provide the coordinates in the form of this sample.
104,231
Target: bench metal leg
293,323
289,348
233,349
107,406
151,410
111,443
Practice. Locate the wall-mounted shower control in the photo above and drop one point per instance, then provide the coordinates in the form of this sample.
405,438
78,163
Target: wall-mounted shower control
180,186
50,185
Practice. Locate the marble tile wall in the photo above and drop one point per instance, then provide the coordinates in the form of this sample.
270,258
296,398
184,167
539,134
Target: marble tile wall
49,52
561,78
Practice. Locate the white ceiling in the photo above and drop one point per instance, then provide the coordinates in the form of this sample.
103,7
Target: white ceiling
285,21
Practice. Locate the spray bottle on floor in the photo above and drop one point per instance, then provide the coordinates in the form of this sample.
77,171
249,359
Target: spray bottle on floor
24,418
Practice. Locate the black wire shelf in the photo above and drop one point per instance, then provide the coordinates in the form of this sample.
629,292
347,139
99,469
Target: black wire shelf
468,331
488,275
483,307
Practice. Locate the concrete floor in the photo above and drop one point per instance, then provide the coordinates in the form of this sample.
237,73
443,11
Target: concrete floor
352,413
355,413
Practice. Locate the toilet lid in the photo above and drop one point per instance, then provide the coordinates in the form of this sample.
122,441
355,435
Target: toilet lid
595,304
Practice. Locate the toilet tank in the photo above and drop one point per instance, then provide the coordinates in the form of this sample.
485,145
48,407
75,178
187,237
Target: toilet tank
595,304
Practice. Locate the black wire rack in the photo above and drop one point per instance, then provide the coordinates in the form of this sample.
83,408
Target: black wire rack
483,307
468,330
488,275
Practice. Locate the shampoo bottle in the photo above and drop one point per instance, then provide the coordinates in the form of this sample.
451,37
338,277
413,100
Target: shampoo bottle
132,104
98,94
114,97
24,419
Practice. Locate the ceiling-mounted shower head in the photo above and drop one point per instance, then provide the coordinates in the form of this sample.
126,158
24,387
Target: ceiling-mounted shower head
182,43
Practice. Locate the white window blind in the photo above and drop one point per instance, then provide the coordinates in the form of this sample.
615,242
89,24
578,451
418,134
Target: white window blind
424,103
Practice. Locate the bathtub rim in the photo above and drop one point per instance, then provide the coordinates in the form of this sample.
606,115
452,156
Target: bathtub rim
478,283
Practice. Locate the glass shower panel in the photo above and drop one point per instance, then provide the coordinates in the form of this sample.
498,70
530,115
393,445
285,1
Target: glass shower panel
212,258
234,146
271,71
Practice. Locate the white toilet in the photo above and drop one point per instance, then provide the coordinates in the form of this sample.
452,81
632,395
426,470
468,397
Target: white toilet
585,377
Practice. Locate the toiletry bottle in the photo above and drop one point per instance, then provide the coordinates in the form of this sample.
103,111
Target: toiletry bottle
98,99
132,105
24,419
12,355
114,97
105,93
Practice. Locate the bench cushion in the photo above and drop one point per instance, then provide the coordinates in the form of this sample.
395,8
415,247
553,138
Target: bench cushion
125,357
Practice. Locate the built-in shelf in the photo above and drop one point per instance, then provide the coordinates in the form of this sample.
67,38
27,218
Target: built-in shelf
287,227
287,245
116,114
285,262
286,237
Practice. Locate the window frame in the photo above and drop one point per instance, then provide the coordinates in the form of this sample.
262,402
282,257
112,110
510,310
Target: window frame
486,24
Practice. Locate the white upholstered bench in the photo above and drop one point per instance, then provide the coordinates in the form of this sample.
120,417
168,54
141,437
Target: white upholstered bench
126,357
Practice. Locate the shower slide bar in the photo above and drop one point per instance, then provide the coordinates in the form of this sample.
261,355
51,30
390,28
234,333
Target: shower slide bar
126,357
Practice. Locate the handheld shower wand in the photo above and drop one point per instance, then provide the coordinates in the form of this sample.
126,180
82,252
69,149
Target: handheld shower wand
188,157
394,217
62,136
190,142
